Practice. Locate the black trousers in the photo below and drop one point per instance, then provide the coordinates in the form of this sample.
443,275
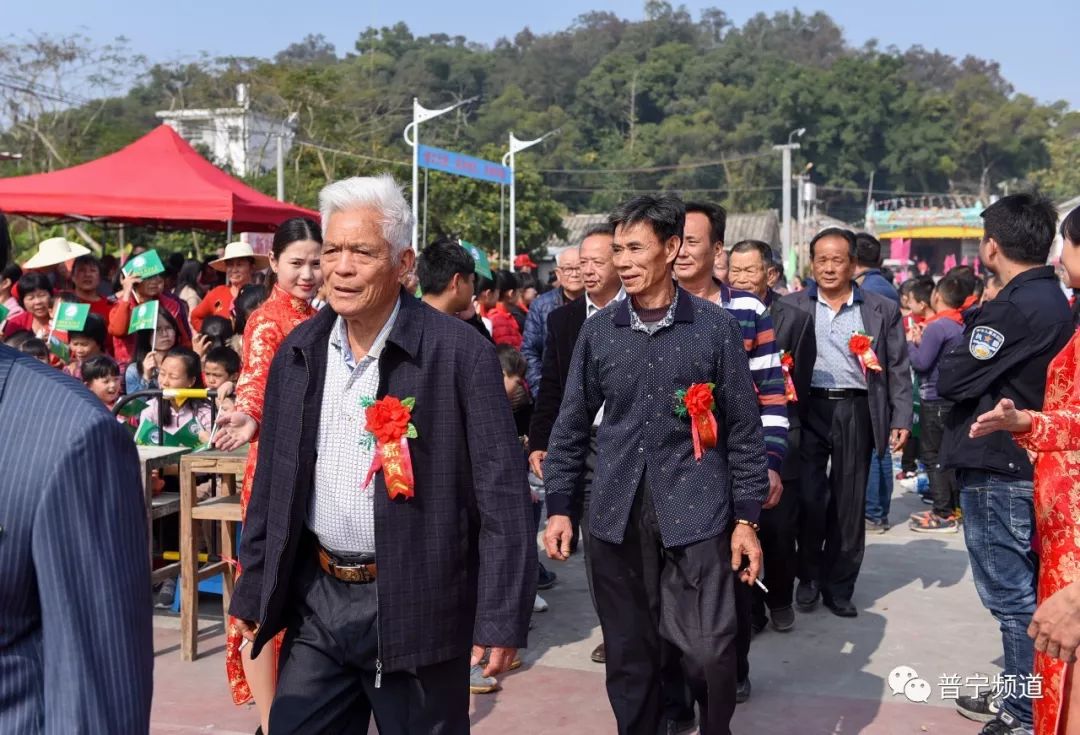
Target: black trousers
832,531
648,596
326,679
779,526
943,486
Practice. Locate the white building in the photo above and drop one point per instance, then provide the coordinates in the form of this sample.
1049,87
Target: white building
237,137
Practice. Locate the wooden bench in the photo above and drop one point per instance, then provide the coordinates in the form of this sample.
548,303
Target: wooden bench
159,506
224,508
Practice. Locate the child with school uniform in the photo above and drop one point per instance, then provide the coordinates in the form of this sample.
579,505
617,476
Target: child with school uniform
926,345
221,371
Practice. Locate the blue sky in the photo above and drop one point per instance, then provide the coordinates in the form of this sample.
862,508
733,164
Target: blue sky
1031,40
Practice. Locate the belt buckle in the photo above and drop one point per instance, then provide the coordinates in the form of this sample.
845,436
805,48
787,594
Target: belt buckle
355,574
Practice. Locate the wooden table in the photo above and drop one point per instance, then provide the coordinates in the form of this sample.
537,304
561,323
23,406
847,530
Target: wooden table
224,508
159,506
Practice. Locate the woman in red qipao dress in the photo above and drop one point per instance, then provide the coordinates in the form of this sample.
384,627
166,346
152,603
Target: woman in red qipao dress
1052,436
295,262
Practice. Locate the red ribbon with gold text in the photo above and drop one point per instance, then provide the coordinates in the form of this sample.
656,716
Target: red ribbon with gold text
389,421
859,344
697,402
787,362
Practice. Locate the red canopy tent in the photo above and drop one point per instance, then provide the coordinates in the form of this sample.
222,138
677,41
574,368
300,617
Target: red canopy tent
158,180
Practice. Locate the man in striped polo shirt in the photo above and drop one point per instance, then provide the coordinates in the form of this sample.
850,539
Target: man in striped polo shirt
703,243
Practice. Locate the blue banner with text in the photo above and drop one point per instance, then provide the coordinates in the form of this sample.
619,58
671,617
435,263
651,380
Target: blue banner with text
459,164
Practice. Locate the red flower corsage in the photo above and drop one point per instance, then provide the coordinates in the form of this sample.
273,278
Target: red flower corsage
859,344
697,402
389,422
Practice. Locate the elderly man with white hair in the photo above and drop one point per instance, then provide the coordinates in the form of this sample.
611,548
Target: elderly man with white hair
389,531
571,287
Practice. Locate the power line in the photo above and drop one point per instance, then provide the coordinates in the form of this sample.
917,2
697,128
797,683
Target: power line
655,169
585,190
338,151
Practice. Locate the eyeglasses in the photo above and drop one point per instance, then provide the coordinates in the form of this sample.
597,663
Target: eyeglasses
571,271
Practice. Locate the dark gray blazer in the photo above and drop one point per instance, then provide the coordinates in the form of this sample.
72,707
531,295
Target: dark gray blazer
457,562
890,390
76,643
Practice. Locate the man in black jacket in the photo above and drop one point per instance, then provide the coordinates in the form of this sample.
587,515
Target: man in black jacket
602,286
382,598
1003,353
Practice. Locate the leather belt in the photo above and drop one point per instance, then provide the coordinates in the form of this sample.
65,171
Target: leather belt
837,394
353,573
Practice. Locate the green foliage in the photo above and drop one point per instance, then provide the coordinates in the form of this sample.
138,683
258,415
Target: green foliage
637,103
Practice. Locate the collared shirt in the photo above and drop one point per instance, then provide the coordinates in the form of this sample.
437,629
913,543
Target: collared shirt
591,310
340,513
836,366
634,371
759,341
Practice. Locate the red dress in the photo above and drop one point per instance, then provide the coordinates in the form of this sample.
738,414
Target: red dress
1055,435
266,330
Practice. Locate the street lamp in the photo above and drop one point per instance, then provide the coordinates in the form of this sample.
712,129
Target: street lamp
785,233
516,146
422,114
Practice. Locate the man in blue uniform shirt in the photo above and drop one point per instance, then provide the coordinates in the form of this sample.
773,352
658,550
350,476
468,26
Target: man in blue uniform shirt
1003,353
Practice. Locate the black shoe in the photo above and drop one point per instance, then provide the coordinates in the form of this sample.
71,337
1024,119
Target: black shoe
598,655
545,579
742,691
1005,724
680,727
783,618
842,608
983,708
806,595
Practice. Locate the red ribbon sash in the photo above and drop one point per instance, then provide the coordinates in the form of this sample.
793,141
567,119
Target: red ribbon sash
396,465
703,430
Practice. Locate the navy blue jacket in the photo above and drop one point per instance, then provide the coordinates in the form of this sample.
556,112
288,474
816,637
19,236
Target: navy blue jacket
635,375
535,334
1031,318
76,643
457,562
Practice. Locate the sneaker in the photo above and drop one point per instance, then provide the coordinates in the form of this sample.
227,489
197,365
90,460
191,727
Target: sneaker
163,598
901,475
983,708
933,523
873,526
920,516
546,579
540,605
480,684
1005,724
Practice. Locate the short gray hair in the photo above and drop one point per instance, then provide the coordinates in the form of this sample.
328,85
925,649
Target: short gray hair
380,192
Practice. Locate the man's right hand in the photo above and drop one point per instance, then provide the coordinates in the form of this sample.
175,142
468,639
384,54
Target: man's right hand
247,628
234,430
557,537
536,462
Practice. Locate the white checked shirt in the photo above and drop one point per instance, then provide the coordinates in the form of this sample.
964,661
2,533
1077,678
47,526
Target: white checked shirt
340,513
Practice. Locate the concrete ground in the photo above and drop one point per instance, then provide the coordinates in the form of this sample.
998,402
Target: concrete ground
917,607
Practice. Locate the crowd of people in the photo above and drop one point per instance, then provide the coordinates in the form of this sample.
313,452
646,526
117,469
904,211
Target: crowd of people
716,441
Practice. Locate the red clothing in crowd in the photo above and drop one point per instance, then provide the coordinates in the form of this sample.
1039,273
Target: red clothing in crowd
266,329
218,302
504,328
123,344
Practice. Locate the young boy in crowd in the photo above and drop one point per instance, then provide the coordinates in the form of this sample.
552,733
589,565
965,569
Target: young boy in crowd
37,349
101,375
86,343
926,344
221,370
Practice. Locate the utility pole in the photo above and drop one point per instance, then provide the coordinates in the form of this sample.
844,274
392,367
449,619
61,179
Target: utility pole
516,146
785,229
421,114
280,169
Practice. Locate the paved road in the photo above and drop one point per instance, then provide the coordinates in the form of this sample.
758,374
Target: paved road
917,607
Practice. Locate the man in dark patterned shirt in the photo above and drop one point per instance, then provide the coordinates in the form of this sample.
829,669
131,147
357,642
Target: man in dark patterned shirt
670,531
